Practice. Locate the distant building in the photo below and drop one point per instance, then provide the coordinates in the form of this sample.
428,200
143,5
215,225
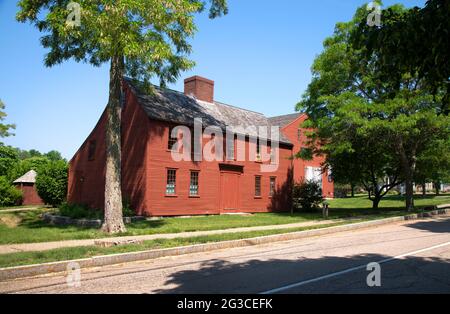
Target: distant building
26,184
445,187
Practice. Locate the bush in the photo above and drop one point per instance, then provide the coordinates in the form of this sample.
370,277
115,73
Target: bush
127,211
307,196
77,211
8,159
20,168
9,195
51,182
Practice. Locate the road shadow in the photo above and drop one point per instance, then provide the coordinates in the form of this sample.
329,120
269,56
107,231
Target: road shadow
409,275
435,226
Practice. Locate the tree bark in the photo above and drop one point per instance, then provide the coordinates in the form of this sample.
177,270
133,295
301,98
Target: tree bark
353,190
408,164
113,222
409,190
376,202
424,189
437,187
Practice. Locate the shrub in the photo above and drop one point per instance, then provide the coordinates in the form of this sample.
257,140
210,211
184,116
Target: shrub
127,211
307,196
20,168
8,159
77,211
9,195
51,182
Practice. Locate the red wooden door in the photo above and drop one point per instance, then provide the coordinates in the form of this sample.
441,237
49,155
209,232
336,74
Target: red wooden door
229,191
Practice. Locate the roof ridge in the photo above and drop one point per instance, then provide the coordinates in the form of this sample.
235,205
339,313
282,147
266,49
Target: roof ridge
240,108
287,115
28,177
215,101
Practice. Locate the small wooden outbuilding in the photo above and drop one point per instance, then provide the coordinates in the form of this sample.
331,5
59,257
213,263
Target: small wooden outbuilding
26,184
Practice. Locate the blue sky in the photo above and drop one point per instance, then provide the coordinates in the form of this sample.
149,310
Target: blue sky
259,56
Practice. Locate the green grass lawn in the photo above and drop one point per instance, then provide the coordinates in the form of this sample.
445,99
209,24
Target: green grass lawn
29,258
27,227
389,202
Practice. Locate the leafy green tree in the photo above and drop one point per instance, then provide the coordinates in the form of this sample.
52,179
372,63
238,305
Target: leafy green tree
339,101
51,182
34,153
384,120
433,165
26,154
144,39
5,128
9,195
23,166
53,155
9,157
423,35
414,93
23,154
367,164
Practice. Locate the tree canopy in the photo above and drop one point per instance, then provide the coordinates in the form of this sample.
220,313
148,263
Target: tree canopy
5,128
151,35
372,121
142,39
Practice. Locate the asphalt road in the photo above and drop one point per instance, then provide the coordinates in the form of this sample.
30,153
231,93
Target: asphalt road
414,257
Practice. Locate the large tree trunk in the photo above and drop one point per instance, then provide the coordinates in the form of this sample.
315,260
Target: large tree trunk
376,202
352,186
424,189
437,187
113,190
408,165
409,190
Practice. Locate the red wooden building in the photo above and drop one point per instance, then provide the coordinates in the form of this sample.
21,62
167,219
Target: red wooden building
304,170
26,184
156,184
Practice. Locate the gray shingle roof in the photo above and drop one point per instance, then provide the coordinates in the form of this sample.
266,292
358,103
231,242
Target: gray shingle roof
173,106
29,177
282,121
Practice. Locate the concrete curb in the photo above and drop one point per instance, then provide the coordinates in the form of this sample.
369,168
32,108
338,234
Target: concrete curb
62,266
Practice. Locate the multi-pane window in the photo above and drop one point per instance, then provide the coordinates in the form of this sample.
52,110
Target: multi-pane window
299,134
258,186
230,150
172,139
273,181
193,187
171,181
258,150
273,155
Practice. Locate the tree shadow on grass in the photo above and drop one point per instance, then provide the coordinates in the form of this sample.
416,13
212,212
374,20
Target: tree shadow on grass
147,224
37,223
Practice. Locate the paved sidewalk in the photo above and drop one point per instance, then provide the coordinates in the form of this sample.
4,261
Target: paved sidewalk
44,246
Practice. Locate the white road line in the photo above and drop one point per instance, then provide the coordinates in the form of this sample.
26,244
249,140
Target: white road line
302,283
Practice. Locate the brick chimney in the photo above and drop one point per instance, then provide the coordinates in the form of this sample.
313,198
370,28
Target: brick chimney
199,87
